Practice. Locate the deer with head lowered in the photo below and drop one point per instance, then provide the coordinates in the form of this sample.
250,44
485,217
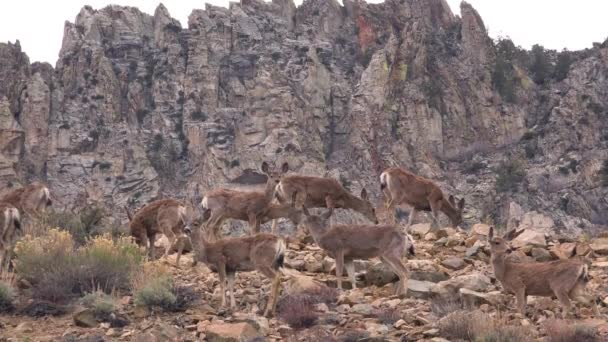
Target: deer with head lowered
403,187
166,216
221,204
314,192
262,252
565,279
10,224
31,199
346,243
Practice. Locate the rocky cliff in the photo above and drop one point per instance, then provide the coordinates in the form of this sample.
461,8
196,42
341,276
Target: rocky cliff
138,106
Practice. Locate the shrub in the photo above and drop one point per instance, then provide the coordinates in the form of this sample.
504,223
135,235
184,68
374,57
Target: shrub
510,174
153,288
478,326
562,67
388,316
59,271
102,304
442,306
473,167
561,331
297,311
81,225
540,66
7,296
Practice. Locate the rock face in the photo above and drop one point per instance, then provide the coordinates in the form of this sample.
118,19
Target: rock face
139,107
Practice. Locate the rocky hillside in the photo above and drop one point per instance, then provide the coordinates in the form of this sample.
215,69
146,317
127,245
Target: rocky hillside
138,106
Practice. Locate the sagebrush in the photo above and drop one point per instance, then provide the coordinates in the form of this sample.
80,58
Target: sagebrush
59,271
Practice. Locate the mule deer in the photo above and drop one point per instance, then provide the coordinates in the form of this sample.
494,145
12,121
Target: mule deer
566,279
166,216
262,252
10,223
30,199
241,205
312,192
403,187
346,243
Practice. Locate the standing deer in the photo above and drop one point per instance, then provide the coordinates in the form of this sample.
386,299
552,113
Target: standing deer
312,192
241,205
31,199
10,223
403,187
346,243
262,252
566,279
166,216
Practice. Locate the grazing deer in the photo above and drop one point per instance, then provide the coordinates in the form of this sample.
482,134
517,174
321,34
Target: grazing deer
166,216
566,279
10,223
312,192
262,252
241,205
346,243
31,199
403,187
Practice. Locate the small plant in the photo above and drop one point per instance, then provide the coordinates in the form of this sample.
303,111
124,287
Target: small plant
82,225
478,326
153,288
102,304
561,331
510,174
7,296
388,316
473,167
297,311
442,306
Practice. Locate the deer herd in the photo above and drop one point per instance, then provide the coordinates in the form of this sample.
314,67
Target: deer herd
291,196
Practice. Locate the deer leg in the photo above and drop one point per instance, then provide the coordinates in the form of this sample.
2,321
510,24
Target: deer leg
394,262
221,271
339,270
565,300
520,298
434,215
230,278
274,226
390,211
350,270
411,218
275,277
254,227
149,242
181,242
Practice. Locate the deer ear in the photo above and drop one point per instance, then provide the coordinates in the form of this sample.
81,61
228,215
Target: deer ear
491,233
265,167
512,234
461,204
285,167
364,194
452,201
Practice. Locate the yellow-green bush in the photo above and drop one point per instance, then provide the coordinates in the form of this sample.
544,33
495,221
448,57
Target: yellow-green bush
58,271
7,296
153,287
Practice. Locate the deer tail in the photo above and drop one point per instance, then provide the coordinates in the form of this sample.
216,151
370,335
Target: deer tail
279,256
383,180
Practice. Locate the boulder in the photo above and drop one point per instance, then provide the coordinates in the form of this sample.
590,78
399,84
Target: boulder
231,332
480,229
473,298
419,289
529,238
453,263
363,309
537,222
380,274
474,281
85,318
431,276
420,229
540,254
599,246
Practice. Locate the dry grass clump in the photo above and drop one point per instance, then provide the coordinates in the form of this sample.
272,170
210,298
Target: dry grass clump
478,326
298,310
155,288
562,331
388,316
102,304
443,305
7,296
58,271
82,225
